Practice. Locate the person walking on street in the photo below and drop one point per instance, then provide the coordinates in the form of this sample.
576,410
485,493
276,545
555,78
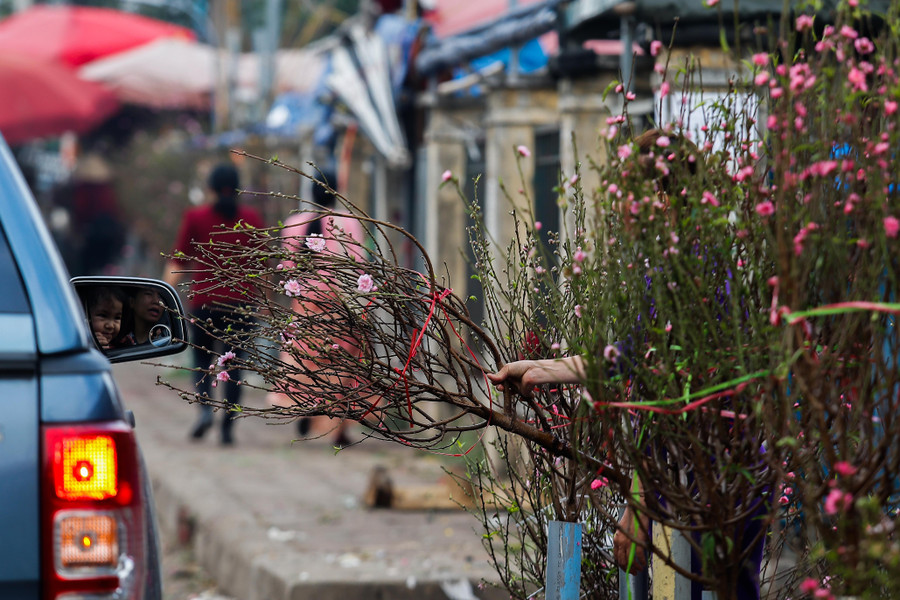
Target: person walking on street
213,306
338,234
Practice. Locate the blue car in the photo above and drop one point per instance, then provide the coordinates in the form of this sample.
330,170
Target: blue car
76,513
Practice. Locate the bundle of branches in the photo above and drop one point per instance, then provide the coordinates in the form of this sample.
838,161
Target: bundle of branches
339,327
734,298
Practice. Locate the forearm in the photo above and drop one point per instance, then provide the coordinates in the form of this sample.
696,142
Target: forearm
560,370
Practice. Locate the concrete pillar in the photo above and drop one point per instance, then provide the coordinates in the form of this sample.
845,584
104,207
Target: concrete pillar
451,130
513,115
583,113
666,583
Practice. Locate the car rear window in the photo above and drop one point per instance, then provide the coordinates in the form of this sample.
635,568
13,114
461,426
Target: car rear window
13,298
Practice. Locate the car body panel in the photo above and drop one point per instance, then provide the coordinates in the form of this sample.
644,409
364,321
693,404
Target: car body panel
20,472
97,394
39,264
19,348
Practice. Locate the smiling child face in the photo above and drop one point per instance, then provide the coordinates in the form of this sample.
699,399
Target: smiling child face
106,320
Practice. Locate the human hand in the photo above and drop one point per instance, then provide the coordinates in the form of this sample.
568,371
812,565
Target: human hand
103,340
526,375
623,542
519,375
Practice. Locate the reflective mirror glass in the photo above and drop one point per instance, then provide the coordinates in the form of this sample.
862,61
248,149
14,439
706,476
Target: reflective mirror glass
132,318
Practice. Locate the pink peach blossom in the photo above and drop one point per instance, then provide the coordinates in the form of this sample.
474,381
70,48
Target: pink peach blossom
664,89
599,483
611,353
315,242
836,501
765,208
709,198
864,45
857,79
804,22
365,283
844,469
891,226
760,59
809,585
292,288
225,358
849,33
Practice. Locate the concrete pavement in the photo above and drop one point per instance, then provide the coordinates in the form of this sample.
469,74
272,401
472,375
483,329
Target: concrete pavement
272,519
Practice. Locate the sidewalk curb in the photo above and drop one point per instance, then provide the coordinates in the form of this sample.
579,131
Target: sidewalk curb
258,577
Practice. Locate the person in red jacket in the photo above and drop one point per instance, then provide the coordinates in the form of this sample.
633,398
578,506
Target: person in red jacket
212,303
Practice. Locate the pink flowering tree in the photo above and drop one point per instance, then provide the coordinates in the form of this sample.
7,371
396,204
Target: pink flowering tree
732,285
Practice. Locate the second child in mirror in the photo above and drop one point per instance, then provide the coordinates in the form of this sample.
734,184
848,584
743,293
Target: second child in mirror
146,311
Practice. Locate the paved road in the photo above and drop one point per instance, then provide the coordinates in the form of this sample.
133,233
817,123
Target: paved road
269,519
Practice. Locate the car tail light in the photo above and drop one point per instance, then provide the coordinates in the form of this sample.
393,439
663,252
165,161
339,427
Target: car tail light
93,513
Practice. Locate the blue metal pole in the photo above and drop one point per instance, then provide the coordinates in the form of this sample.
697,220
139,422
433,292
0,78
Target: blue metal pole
563,561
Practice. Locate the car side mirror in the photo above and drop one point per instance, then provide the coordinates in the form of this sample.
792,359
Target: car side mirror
132,318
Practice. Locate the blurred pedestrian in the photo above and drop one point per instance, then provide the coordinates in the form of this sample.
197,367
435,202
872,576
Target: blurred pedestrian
339,235
213,307
96,215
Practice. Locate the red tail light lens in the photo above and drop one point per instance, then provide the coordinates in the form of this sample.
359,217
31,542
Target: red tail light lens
93,513
85,468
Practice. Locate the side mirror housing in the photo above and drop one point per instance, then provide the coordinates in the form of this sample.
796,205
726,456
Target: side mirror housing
132,318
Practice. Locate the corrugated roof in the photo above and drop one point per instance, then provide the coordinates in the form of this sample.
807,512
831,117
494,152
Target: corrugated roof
600,16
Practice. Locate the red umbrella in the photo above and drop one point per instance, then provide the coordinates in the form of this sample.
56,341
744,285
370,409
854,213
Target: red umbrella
75,35
41,98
